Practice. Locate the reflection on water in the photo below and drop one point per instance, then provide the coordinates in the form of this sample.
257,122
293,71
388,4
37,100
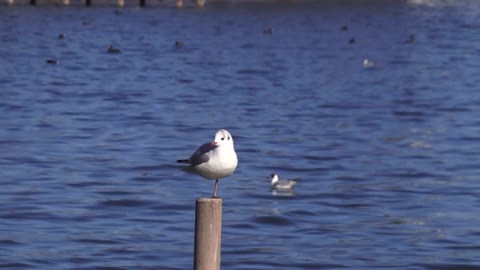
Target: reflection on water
283,192
387,155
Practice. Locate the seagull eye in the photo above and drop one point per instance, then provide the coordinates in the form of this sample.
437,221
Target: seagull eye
228,138
223,138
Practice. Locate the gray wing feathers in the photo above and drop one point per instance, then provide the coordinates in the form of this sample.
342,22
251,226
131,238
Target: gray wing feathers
284,184
202,154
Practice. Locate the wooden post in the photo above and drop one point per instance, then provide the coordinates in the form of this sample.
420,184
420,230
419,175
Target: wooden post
208,234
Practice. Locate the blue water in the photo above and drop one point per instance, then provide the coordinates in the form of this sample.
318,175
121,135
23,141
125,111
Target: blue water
387,156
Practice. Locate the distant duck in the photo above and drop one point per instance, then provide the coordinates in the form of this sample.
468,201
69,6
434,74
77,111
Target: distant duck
112,50
368,64
352,41
178,44
344,28
52,62
268,31
410,39
61,36
282,184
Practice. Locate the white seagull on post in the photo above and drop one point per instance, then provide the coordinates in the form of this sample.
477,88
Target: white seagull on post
213,160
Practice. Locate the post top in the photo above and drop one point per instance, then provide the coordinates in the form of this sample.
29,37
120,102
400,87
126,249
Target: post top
209,200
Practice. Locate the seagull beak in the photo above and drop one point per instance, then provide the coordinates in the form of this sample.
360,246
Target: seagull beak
213,143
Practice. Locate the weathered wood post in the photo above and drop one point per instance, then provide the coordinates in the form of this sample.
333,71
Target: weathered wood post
208,234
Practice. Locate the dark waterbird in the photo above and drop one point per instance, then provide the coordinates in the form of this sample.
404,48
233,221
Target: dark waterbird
52,62
410,40
112,50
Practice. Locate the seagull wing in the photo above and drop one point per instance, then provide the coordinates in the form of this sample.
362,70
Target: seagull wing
202,154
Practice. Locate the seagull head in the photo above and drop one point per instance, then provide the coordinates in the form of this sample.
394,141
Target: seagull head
222,137
274,178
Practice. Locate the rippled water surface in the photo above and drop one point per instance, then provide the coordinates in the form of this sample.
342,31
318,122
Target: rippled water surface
388,156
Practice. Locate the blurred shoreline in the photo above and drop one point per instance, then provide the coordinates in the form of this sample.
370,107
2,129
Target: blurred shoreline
190,3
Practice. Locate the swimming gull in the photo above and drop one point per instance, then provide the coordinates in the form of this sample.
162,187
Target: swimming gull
368,63
282,184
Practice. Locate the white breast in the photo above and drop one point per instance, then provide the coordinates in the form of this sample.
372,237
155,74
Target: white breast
222,163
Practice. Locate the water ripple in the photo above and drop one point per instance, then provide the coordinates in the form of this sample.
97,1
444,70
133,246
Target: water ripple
125,203
273,220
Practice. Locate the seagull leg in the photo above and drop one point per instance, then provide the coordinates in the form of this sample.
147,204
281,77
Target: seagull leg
215,189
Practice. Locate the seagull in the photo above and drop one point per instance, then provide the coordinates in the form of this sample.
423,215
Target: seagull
282,184
368,63
213,160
